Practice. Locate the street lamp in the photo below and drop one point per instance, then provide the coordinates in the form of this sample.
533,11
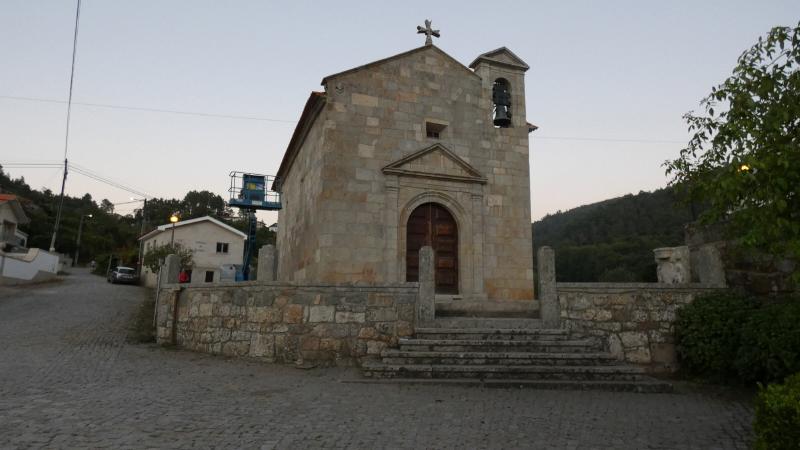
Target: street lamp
173,219
78,240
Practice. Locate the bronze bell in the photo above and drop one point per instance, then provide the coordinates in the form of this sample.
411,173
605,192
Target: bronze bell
501,117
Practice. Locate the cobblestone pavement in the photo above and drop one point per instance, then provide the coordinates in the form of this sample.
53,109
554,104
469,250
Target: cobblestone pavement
69,379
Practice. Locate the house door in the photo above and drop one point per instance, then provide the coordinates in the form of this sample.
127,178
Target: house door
431,224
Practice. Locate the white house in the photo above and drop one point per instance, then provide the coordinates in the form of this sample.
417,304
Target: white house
273,227
20,265
11,216
215,246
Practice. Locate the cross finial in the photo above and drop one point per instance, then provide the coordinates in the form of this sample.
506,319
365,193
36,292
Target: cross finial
428,32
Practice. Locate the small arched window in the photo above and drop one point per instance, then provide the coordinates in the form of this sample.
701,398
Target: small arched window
501,98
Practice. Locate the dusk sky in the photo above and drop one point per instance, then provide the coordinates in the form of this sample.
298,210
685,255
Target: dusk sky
608,84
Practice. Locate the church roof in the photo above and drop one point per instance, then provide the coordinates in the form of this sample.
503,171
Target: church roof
398,56
502,56
313,106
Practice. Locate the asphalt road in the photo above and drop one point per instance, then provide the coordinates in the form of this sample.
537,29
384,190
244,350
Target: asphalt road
68,379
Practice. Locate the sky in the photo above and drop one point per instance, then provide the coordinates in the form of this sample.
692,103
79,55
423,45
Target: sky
608,83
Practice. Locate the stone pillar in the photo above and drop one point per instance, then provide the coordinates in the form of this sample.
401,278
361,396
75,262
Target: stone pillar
426,309
549,307
706,263
170,270
673,265
266,263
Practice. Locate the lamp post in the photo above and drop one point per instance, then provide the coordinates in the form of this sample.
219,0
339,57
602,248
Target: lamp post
173,219
78,240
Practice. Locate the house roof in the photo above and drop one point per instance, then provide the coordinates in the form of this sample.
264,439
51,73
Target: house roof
169,226
16,206
312,109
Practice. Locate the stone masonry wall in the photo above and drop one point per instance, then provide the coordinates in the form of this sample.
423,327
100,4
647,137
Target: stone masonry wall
636,319
310,324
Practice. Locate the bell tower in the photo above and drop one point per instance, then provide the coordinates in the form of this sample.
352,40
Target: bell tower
503,75
507,247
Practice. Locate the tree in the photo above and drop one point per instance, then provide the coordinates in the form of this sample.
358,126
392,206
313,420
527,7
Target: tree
154,258
204,203
743,159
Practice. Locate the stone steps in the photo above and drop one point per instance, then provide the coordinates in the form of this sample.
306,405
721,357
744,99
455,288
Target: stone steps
484,322
506,352
400,357
487,345
503,334
525,372
488,309
641,386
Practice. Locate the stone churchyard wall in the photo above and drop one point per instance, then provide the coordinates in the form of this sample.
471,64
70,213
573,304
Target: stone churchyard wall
288,323
636,319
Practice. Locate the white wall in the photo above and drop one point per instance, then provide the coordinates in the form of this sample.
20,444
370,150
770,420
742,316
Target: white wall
36,265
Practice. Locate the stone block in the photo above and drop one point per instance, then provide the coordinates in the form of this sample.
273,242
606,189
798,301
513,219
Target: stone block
262,345
381,315
633,339
293,314
375,347
350,317
321,314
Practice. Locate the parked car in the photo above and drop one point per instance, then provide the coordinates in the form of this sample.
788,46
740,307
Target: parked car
122,274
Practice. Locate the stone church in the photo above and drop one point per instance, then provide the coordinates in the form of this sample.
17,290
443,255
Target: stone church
412,150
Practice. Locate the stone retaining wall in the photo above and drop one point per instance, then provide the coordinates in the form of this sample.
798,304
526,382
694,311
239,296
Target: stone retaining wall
289,323
636,319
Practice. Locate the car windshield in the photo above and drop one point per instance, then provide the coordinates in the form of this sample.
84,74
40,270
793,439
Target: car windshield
126,270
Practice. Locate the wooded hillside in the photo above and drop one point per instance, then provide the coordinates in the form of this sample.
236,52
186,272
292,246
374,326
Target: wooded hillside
613,240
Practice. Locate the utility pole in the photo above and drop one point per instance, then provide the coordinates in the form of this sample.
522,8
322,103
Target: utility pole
66,137
78,240
141,242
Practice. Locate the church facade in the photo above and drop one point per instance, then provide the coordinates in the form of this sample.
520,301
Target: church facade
415,149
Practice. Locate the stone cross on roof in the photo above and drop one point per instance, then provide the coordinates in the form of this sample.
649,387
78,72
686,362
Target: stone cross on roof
428,31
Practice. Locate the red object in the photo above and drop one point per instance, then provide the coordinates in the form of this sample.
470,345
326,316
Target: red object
183,277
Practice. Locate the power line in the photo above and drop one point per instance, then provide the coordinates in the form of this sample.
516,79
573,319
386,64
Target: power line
79,170
156,110
267,119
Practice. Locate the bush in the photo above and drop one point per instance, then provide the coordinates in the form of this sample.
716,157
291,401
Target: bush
770,342
777,421
707,333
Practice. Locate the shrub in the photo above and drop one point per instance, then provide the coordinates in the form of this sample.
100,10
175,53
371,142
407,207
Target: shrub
777,415
707,333
770,342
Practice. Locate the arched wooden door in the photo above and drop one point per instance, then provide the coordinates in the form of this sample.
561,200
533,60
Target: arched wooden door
432,224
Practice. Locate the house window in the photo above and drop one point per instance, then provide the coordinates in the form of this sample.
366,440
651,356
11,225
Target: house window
210,275
222,247
434,130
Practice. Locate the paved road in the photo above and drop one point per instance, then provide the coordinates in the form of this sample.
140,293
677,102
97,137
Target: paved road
69,379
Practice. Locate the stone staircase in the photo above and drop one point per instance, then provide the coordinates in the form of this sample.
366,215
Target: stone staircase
507,352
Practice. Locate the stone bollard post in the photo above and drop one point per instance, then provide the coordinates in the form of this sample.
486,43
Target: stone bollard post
171,269
548,296
673,265
427,286
266,263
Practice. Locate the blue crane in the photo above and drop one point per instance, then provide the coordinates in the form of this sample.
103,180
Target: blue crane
250,192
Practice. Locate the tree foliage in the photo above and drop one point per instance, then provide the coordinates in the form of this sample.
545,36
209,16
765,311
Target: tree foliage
154,258
108,235
613,240
743,158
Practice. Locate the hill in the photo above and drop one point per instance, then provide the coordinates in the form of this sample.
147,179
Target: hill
613,240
